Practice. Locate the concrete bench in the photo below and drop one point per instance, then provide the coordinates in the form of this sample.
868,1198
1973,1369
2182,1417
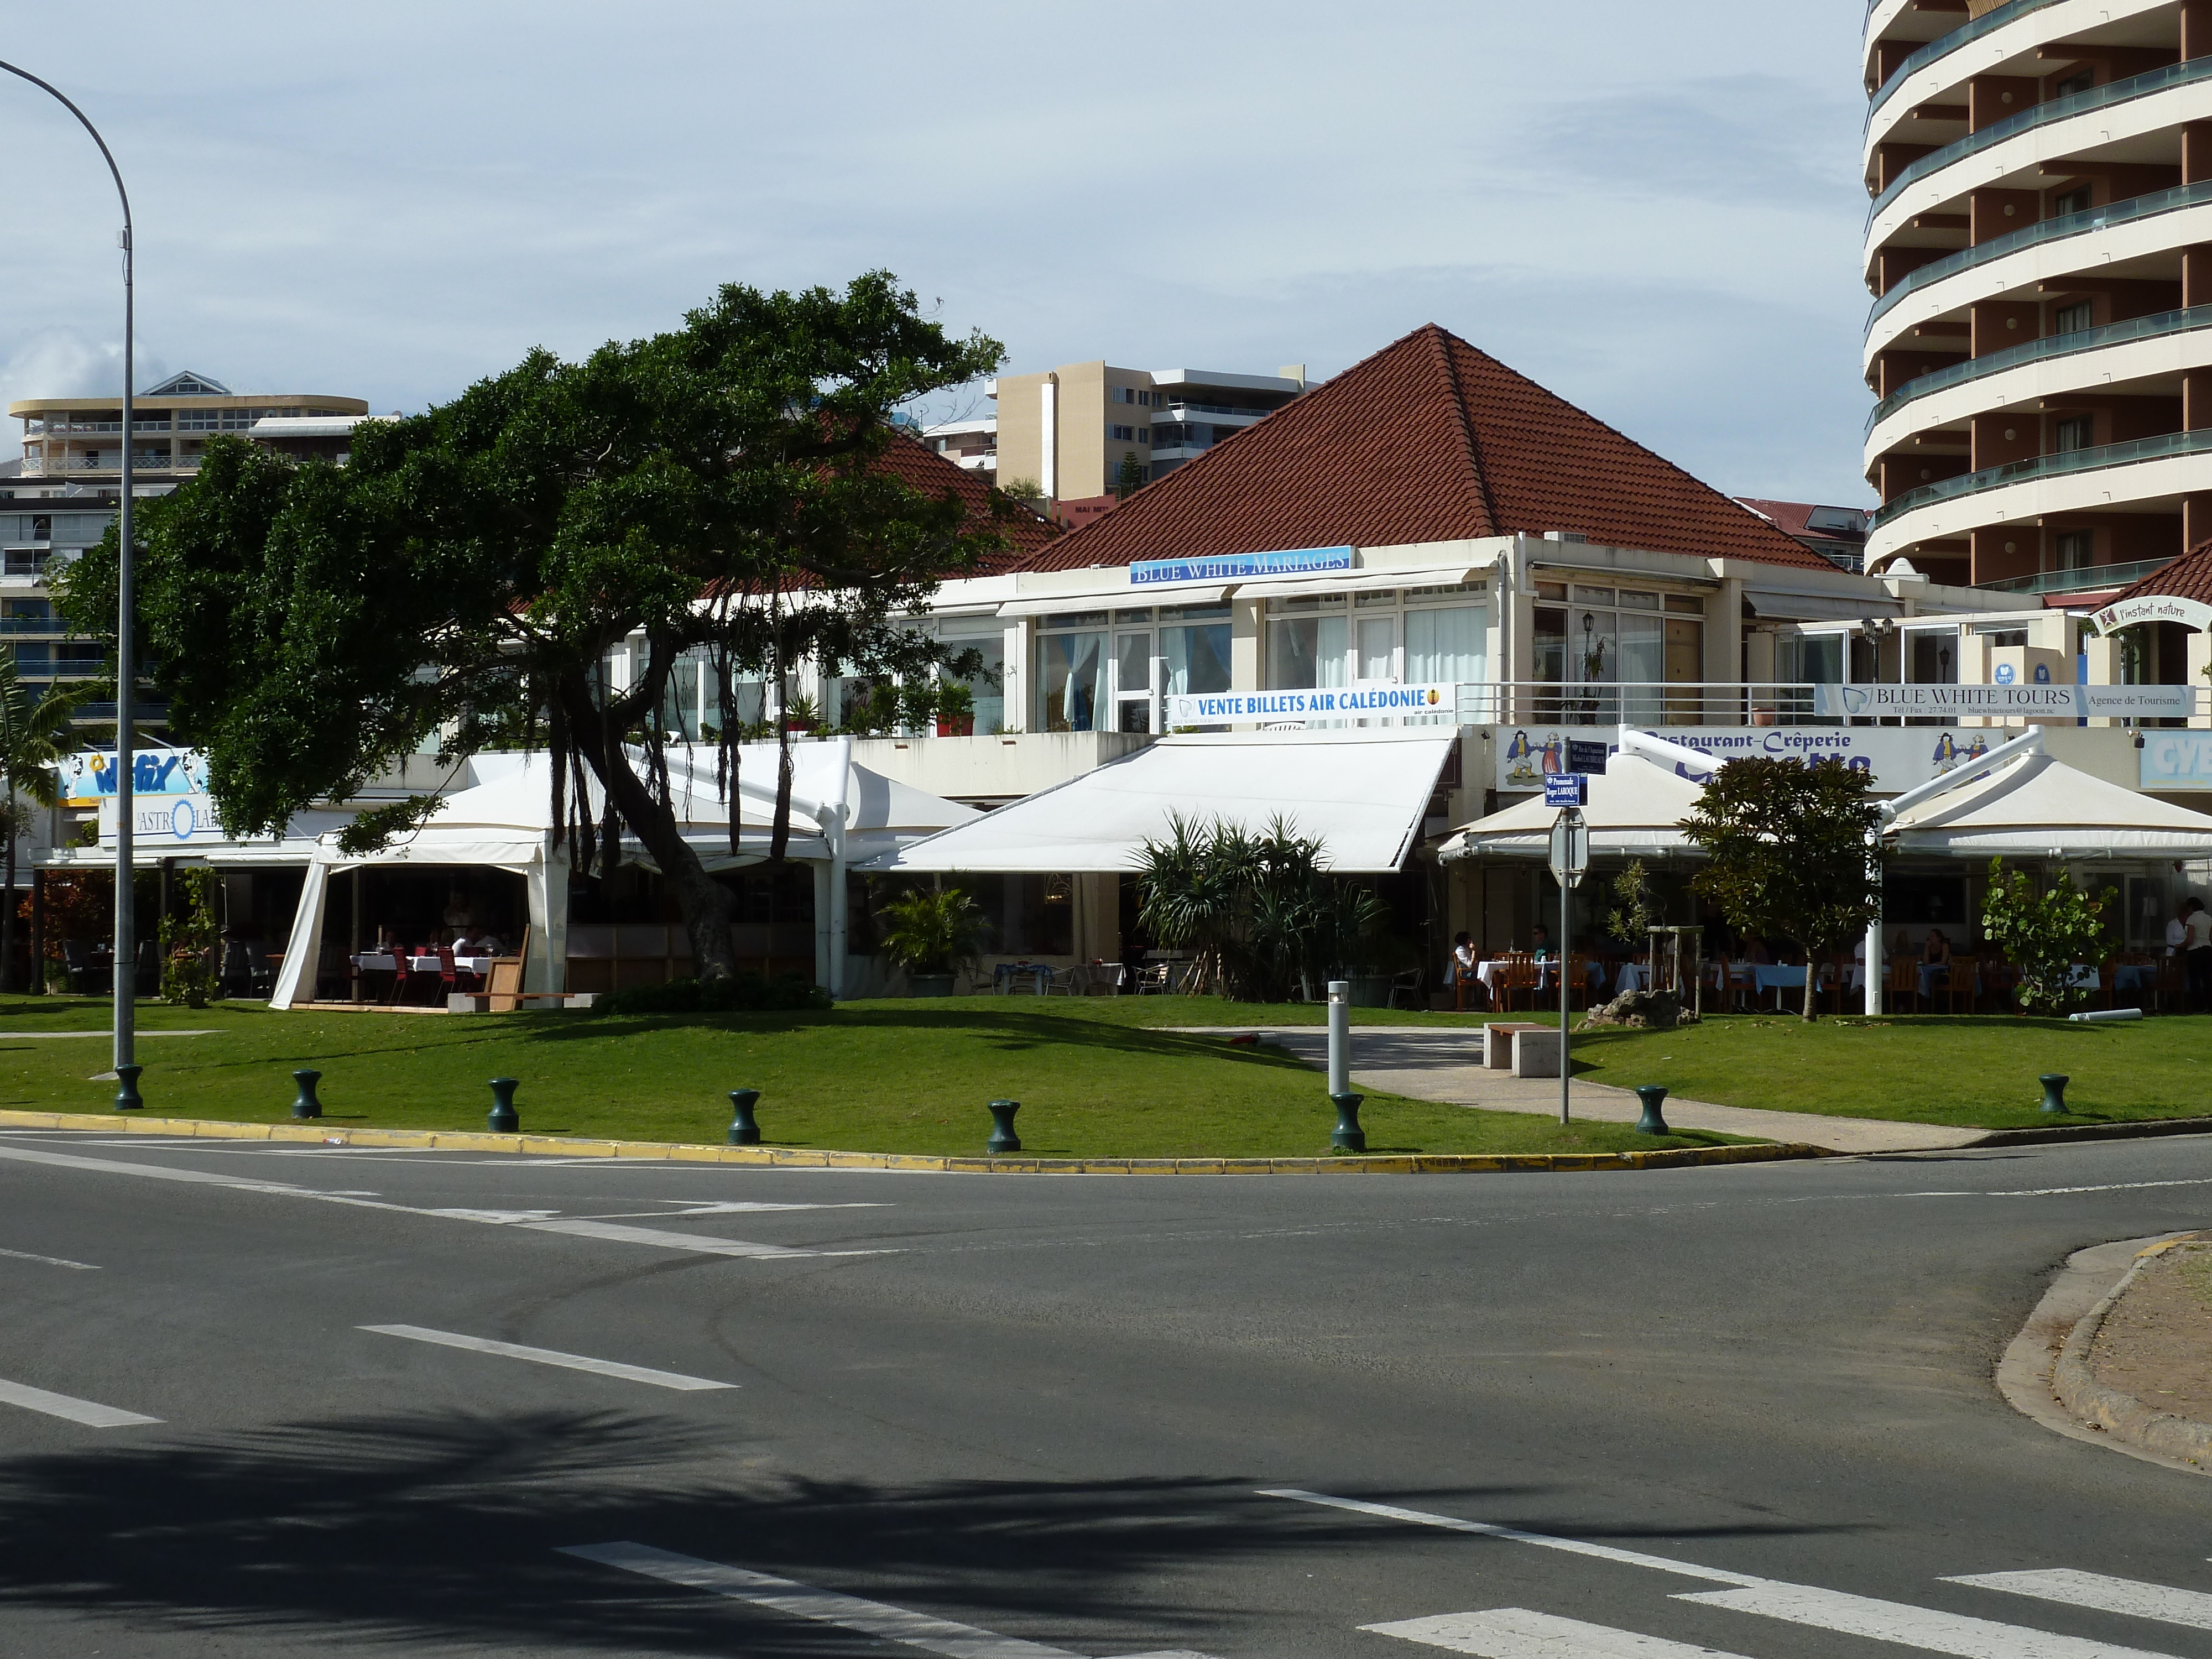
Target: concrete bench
1497,1040
1536,1051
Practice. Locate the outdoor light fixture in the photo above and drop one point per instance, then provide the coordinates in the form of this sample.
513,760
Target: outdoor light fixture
125,988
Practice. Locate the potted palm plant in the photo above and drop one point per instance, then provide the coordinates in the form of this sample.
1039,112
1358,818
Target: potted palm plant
932,935
955,710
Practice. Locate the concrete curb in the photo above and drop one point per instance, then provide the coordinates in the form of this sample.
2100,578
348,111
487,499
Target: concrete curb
2137,1129
779,1158
2119,1413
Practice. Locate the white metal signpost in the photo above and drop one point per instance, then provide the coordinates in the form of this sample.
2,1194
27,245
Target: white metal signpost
1569,862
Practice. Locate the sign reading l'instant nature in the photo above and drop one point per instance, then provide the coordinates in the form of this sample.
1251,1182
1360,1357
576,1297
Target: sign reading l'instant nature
1352,702
1237,567
2154,607
2007,702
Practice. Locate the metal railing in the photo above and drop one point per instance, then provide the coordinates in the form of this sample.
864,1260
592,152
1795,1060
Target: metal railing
1635,703
2056,345
2081,579
1943,45
2055,109
1175,411
2050,230
2046,466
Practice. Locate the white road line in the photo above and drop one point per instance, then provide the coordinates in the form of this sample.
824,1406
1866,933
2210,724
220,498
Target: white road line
876,1619
666,1241
2064,1192
2093,1589
51,1260
693,1207
1908,1626
575,1362
1517,1633
90,1412
1573,1546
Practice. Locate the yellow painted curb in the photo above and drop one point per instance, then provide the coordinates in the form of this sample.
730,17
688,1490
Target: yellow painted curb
782,1157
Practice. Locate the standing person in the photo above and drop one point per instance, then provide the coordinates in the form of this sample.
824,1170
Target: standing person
2177,930
2198,922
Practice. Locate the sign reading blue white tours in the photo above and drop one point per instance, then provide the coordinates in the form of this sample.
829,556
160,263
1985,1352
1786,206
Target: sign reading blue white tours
1347,702
2007,703
1240,566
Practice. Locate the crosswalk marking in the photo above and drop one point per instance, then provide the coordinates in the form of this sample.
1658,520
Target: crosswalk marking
852,1612
2093,1589
1517,1633
1908,1626
90,1412
574,1362
1572,1545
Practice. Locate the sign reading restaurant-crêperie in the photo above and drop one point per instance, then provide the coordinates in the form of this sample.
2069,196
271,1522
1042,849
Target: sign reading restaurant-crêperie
1240,566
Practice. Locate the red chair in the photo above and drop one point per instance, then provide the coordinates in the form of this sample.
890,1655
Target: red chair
450,975
401,974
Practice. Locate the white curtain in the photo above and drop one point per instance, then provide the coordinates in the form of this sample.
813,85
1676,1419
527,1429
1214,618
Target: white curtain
1444,647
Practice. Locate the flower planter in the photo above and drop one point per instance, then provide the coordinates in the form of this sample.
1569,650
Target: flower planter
929,985
962,726
1368,990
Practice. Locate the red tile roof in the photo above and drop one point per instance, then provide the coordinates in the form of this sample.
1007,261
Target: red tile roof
1427,441
2189,577
920,467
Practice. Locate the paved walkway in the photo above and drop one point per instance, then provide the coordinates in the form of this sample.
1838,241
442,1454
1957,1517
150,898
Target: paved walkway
1445,1064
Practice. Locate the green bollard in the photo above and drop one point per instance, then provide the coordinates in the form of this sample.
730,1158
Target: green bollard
745,1129
1651,1123
2054,1092
305,1104
1347,1136
1003,1137
503,1120
127,1098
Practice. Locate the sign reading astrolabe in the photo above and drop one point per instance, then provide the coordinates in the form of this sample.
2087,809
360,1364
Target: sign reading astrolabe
2009,703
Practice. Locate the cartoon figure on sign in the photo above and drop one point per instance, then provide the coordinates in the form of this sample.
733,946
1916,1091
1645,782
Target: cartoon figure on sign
1946,753
1979,748
1520,757
1555,754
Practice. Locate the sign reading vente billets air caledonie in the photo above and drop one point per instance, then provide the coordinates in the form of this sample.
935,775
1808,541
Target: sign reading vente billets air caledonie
1350,702
1239,567
2007,702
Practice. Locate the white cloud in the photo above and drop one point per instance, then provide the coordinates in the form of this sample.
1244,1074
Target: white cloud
1650,209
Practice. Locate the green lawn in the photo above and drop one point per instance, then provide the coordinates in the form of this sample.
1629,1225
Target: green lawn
891,1076
1976,1071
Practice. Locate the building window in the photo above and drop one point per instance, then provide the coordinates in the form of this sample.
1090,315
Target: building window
2074,319
2080,81
2071,434
1122,434
2073,201
2076,548
1070,671
1194,643
1619,637
1306,652
1144,435
1145,398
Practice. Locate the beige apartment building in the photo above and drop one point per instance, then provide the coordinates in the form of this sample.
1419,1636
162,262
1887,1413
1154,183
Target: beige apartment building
1072,429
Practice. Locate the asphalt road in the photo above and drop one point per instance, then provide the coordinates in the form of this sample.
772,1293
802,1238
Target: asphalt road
1016,1418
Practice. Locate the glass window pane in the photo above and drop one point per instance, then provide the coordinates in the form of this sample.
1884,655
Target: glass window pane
1643,662
1070,670
1639,601
1377,642
1292,646
1132,664
1197,658
1445,646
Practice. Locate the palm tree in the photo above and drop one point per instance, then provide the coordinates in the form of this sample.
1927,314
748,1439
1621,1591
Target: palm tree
35,733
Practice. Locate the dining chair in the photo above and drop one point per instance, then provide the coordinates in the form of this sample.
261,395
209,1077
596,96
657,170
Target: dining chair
1904,984
403,973
1516,976
1965,982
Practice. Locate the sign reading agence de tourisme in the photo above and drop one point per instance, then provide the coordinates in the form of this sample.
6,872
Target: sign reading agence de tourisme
2010,703
1237,567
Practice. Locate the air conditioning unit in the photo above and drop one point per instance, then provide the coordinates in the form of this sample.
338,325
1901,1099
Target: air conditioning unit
1565,536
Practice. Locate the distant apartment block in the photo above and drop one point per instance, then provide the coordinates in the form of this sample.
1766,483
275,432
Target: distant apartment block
1073,429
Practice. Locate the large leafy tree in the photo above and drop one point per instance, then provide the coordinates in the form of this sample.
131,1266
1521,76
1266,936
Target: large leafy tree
1791,849
718,488
35,733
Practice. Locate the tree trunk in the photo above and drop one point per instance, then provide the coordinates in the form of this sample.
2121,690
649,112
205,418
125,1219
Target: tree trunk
8,921
38,932
705,902
1811,988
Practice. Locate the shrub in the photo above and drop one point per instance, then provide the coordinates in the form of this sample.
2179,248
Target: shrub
740,993
928,932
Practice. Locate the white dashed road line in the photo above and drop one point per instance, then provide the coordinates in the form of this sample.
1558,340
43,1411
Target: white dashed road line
2093,1589
1517,1633
90,1412
1925,1628
574,1362
51,1260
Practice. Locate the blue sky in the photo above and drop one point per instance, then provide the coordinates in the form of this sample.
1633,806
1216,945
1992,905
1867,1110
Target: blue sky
1653,211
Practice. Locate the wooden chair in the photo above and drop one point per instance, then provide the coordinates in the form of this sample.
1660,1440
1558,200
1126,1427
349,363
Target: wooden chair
1516,976
1904,985
1966,981
1576,968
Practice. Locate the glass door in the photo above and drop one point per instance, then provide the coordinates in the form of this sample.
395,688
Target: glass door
1133,680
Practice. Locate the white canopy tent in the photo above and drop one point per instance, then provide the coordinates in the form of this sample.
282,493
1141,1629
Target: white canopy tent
1361,793
1635,811
2041,808
839,812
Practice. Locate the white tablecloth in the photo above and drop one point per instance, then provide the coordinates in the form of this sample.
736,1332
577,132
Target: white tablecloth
1546,973
372,961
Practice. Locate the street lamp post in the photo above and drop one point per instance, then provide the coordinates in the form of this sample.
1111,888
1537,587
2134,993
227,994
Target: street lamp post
126,946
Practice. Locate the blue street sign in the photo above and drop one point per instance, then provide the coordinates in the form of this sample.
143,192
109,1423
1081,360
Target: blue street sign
1565,789
1587,757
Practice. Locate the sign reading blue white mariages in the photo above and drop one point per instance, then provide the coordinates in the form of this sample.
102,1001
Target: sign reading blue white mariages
1240,566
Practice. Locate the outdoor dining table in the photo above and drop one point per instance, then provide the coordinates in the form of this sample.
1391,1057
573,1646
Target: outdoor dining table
1003,974
1546,973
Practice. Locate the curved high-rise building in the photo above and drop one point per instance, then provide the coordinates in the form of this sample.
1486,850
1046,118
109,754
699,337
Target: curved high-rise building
2039,250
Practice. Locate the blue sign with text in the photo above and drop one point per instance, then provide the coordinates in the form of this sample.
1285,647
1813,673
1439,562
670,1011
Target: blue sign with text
1566,789
1236,567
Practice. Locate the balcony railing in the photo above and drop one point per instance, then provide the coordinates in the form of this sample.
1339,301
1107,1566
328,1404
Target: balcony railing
2048,466
1944,46
2050,230
2085,579
1637,703
1175,411
2056,345
2057,109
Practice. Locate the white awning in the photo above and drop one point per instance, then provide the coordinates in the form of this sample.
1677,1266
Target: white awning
1635,807
1118,598
1774,606
2041,808
1362,793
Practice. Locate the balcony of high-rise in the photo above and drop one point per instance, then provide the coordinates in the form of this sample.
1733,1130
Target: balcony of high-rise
2040,251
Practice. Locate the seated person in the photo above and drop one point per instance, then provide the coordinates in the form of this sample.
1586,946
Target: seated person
1539,944
1463,967
1938,949
1756,950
